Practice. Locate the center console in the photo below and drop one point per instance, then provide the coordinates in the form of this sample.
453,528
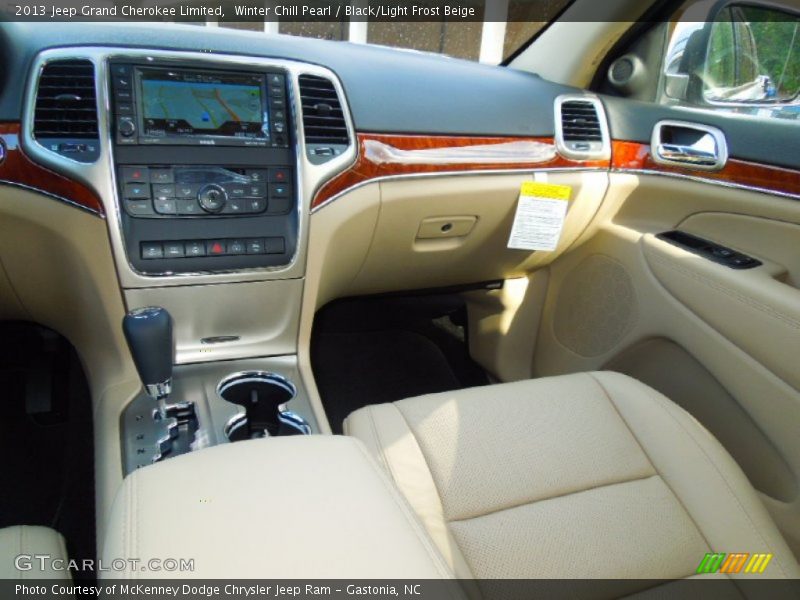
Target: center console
205,166
305,507
205,172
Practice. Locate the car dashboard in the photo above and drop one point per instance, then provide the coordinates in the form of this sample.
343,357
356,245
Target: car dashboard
246,183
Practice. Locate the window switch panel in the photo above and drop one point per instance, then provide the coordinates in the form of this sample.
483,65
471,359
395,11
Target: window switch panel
710,250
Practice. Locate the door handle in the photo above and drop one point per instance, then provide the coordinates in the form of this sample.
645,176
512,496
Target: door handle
686,154
690,145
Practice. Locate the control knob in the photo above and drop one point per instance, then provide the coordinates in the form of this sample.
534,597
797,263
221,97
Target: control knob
212,198
126,127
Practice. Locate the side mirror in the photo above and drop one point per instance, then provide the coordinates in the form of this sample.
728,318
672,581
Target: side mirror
676,85
683,75
734,54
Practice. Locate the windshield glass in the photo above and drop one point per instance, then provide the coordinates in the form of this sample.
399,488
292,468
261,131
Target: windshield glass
498,29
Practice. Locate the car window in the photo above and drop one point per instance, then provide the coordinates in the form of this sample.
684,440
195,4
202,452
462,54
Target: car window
490,41
742,58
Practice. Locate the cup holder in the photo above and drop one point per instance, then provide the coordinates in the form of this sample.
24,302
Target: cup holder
264,397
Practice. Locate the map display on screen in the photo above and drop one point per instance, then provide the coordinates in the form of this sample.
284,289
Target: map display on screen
190,103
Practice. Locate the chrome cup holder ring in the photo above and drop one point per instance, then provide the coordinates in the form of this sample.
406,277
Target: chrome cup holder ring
263,396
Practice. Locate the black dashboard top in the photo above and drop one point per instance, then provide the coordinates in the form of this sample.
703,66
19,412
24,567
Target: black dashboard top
388,90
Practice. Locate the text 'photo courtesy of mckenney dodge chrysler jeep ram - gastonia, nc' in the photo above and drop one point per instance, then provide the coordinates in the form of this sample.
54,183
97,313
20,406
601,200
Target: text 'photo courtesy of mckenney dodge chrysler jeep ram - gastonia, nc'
388,299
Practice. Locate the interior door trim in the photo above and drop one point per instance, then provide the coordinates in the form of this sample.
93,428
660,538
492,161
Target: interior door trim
688,155
637,158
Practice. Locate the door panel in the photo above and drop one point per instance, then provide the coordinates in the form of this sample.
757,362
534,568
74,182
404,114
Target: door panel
751,307
753,139
775,240
722,343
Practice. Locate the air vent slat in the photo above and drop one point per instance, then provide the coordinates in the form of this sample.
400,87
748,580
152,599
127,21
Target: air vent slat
313,89
323,117
580,122
66,104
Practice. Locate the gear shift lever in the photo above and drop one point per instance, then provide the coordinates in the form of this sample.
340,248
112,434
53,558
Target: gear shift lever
149,335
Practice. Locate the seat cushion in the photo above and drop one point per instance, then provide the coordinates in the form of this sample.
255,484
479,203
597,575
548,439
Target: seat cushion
591,475
28,542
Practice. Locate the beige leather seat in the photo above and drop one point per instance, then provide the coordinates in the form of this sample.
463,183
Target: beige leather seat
27,542
592,475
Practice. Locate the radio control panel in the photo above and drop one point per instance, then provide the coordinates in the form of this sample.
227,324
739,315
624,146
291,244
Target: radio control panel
196,191
205,166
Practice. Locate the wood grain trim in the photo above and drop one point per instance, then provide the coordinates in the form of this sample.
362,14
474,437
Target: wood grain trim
405,155
17,169
635,156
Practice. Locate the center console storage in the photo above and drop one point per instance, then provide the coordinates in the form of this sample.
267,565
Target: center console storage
231,401
301,507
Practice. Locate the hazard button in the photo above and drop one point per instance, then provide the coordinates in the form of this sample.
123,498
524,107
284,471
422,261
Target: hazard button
216,247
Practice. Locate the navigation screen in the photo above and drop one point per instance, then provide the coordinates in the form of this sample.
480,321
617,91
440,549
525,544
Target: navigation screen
193,103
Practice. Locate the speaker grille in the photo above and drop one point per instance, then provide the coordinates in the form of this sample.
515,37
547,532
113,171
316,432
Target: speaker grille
622,70
596,306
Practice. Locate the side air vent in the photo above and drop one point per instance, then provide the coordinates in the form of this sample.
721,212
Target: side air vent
581,128
323,118
65,117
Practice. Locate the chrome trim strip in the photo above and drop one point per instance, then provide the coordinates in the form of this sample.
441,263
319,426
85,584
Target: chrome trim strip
52,196
718,182
477,172
256,376
100,176
292,419
159,391
234,423
605,150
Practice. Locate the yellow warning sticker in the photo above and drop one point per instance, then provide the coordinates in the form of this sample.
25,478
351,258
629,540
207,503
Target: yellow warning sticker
545,190
540,215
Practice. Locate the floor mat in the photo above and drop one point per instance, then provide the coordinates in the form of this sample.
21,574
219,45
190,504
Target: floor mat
372,352
46,437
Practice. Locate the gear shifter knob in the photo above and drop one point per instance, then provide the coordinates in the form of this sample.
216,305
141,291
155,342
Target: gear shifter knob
149,335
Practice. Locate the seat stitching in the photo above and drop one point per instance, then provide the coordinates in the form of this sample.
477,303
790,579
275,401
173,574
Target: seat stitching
556,497
522,502
416,527
713,464
391,470
379,442
647,455
445,520
425,460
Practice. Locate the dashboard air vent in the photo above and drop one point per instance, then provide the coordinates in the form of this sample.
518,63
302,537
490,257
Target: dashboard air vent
581,130
323,118
65,117
579,121
66,106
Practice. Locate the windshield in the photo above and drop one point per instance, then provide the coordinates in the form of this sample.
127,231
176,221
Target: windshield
489,37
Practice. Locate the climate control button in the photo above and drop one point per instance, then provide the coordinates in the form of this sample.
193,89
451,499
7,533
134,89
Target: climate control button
212,198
